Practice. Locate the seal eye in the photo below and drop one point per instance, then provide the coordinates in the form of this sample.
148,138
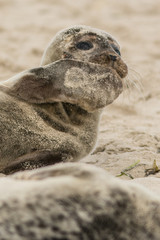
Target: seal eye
116,50
84,45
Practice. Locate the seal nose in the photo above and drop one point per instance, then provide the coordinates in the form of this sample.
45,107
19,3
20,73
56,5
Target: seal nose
113,58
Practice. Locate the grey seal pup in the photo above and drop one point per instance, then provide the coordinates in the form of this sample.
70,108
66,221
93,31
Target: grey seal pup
51,113
73,201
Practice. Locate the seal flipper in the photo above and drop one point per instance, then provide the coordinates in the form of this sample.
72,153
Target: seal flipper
88,85
46,84
34,160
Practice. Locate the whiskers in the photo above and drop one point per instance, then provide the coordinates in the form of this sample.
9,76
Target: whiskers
132,86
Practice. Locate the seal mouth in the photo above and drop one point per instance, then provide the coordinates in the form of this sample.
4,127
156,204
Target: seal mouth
111,61
121,68
121,73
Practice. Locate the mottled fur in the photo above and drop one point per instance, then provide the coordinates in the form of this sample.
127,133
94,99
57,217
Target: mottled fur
51,113
74,201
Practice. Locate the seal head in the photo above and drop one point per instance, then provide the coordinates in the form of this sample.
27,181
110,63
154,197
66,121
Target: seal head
101,54
86,44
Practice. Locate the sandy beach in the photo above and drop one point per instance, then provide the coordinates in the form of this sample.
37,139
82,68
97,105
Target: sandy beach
129,128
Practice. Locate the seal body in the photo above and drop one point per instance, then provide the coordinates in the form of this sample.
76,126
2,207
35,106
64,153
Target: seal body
51,113
45,134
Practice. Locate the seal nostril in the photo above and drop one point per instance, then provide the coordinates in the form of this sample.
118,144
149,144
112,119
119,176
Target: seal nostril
113,58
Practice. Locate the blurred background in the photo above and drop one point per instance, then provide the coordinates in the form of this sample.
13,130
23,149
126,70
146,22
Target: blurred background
129,128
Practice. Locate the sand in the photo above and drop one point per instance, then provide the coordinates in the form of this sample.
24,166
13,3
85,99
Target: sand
129,128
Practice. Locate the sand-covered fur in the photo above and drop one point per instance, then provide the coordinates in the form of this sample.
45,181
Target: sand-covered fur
51,113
